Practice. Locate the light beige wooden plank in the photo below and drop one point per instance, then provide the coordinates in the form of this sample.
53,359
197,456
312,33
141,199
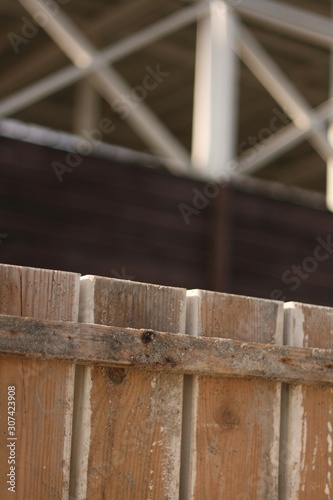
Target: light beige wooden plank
231,447
307,424
119,347
43,389
130,420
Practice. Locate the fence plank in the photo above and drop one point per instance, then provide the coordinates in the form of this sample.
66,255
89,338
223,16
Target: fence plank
43,389
128,423
231,447
119,347
307,424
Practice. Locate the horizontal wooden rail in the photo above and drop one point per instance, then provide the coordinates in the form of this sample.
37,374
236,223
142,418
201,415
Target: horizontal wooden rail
151,350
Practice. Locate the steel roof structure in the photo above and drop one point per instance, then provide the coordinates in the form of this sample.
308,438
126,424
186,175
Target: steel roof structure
215,88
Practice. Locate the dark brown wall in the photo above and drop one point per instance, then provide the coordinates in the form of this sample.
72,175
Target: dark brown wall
104,216
110,218
269,238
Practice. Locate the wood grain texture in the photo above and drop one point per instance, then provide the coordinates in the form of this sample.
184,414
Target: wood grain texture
131,420
116,347
44,389
232,451
307,425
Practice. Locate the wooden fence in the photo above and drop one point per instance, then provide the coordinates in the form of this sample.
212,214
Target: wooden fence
114,389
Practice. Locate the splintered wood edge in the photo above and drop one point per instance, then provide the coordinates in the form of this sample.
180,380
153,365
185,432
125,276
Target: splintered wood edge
152,350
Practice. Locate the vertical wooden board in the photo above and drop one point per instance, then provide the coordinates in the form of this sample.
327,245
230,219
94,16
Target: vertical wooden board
307,417
130,419
43,389
233,443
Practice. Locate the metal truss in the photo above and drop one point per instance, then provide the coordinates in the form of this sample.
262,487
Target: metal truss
221,36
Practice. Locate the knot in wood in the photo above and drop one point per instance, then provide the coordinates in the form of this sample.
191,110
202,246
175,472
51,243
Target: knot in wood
148,336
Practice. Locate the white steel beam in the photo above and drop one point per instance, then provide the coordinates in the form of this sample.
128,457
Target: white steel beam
87,108
329,167
280,142
62,31
289,19
214,115
283,91
146,125
154,32
69,75
107,81
44,87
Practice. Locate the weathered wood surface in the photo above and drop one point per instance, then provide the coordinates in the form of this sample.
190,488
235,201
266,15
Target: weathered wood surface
130,353
43,389
128,445
161,351
306,455
232,450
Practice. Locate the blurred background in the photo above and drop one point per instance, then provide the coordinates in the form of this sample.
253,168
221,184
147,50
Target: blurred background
174,142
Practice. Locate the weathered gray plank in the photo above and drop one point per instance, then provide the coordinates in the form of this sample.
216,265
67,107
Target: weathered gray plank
306,458
127,435
43,389
232,449
160,351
